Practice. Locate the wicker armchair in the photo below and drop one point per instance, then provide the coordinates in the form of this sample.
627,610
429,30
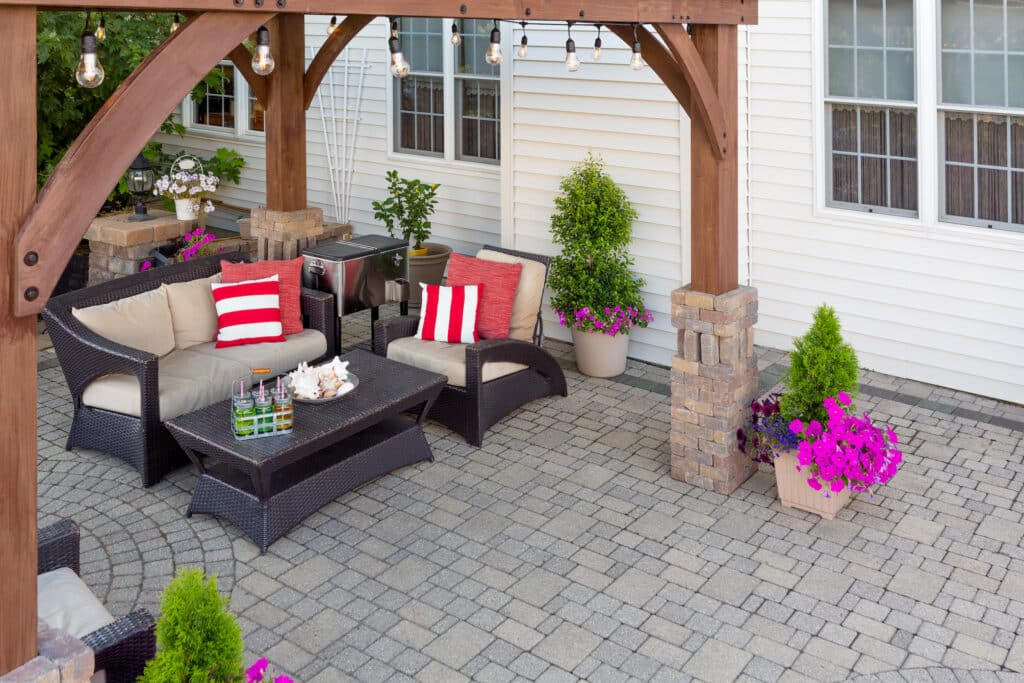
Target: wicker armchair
472,409
121,648
84,356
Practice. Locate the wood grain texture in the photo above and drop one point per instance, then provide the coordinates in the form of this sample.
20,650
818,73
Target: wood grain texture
79,185
285,123
242,59
661,62
329,51
649,11
17,347
705,98
714,189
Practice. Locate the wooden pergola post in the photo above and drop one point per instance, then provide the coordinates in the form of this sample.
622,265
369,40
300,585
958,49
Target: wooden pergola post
17,345
285,121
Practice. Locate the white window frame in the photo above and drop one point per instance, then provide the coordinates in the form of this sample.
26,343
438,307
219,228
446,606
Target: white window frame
930,179
449,158
241,128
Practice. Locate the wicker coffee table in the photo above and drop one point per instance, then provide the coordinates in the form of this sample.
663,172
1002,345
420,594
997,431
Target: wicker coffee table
267,486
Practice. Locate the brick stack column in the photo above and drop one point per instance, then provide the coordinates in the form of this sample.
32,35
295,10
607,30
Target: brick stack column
714,378
284,234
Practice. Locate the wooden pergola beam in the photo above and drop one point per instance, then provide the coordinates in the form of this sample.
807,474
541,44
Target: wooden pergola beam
76,190
329,51
242,59
17,347
661,62
603,11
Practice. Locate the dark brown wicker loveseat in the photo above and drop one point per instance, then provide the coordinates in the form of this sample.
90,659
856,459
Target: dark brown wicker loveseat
84,356
121,648
472,409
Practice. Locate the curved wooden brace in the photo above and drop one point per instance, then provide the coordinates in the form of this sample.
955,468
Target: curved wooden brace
661,62
128,119
242,59
329,51
706,101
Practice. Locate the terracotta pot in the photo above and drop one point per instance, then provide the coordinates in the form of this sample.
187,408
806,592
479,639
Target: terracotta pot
795,493
428,269
599,354
185,209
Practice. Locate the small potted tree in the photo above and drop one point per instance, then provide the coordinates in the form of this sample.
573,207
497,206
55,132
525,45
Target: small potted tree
406,213
595,292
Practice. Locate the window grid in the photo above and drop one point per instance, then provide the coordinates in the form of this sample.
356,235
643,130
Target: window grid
214,109
906,201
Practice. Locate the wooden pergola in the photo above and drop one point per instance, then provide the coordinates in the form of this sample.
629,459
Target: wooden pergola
694,54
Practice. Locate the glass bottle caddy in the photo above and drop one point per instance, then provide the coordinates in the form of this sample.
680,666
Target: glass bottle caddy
256,414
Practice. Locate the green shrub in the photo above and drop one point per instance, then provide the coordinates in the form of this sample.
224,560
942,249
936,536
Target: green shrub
592,279
198,639
821,364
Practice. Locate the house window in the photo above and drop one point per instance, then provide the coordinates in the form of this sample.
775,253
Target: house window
255,114
217,109
981,83
448,106
871,105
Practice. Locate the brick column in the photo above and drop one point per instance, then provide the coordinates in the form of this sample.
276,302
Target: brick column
118,246
284,234
714,378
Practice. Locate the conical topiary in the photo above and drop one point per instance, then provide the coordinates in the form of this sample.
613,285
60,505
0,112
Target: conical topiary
821,364
197,637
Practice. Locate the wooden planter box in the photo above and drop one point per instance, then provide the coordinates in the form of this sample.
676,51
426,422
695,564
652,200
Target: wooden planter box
795,493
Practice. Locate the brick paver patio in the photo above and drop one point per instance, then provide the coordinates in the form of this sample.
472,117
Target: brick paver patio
562,550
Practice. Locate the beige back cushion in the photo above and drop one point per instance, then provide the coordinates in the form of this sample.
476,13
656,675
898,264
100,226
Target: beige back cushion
141,322
528,296
193,313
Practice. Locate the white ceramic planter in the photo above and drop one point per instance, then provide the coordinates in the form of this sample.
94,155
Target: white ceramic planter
599,354
185,209
795,493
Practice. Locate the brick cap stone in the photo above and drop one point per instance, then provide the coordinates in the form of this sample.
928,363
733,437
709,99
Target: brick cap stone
38,670
72,657
117,230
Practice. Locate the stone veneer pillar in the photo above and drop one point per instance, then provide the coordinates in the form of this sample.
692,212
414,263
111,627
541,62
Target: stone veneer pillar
714,378
118,246
62,659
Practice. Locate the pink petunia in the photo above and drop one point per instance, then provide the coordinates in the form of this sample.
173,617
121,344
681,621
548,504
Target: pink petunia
844,398
814,484
256,671
796,426
836,485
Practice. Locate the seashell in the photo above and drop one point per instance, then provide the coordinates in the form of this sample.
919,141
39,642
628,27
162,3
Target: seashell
330,393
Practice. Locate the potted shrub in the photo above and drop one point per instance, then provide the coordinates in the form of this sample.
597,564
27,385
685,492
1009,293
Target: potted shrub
595,292
822,452
406,213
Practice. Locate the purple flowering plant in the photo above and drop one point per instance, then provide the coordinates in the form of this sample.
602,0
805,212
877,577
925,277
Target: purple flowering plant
257,672
849,450
766,434
613,321
194,243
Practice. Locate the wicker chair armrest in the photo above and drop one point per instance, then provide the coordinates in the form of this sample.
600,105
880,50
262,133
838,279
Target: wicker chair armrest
318,310
59,546
508,351
390,329
124,647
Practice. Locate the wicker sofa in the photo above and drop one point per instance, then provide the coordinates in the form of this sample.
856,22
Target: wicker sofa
121,646
122,394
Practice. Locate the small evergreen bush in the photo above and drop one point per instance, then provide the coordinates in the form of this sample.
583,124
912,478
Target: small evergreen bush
198,639
592,281
821,365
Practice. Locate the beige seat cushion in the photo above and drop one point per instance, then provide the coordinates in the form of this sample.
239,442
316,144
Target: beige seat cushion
444,359
529,295
193,313
196,377
279,357
141,322
66,603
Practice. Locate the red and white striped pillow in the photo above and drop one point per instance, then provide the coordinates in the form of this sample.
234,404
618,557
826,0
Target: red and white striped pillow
248,312
448,314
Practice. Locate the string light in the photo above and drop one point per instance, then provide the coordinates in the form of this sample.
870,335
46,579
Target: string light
597,44
175,23
522,41
89,72
636,62
456,38
493,56
572,62
399,65
332,26
262,60
101,29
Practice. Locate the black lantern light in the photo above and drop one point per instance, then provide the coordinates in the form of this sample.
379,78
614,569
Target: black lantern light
140,179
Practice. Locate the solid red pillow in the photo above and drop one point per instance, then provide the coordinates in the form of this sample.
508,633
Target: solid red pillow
449,314
248,312
290,276
498,296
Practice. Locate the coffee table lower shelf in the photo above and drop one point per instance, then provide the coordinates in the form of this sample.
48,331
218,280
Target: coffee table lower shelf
302,489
